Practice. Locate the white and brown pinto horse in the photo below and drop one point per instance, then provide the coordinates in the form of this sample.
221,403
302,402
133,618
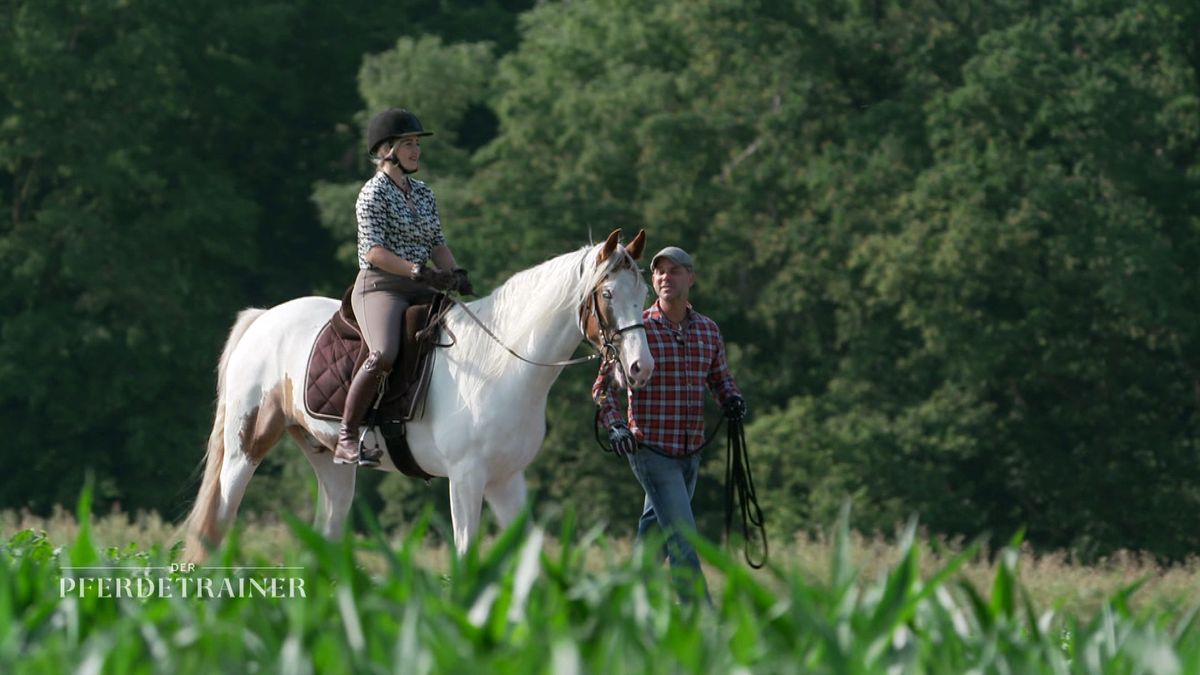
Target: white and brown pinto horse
485,416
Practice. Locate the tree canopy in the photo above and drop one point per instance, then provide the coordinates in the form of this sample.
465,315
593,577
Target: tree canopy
952,246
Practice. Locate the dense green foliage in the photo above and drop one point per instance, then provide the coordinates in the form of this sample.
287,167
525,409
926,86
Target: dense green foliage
515,607
156,167
953,246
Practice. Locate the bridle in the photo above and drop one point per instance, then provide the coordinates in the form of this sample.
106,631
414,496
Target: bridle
607,337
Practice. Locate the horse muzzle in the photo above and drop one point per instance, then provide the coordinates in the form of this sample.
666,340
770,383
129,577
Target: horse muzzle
639,372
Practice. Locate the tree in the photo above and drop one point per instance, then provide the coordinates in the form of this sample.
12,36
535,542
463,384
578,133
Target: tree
1044,263
156,163
886,200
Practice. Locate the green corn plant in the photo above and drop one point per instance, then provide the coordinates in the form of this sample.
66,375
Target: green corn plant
510,606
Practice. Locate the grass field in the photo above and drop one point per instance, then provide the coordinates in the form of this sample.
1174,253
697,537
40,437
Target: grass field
528,601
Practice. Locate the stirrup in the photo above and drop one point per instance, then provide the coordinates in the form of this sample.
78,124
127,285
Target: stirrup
369,458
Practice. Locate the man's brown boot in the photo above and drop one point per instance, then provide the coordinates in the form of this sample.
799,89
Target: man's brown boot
363,390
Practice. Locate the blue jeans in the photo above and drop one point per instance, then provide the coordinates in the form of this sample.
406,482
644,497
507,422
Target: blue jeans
669,483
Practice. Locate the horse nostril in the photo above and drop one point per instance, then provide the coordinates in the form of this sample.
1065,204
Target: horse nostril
635,368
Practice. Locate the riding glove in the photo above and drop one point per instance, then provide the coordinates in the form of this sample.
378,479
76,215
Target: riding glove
735,408
439,279
464,284
622,440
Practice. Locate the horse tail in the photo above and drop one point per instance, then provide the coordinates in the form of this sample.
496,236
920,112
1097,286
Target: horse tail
200,527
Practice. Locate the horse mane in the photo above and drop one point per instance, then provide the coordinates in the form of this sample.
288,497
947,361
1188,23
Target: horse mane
518,308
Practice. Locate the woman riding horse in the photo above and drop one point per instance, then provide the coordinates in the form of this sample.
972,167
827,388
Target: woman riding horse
398,231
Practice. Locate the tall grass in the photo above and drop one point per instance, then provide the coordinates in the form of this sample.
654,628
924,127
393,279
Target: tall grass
526,603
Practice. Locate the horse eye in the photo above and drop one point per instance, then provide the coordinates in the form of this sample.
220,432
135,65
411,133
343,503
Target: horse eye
607,295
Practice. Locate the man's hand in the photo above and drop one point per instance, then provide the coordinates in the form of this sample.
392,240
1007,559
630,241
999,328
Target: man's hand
735,409
463,284
622,440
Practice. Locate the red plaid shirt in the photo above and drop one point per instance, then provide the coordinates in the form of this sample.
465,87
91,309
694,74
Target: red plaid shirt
668,413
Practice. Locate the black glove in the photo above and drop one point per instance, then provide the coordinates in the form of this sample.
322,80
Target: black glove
622,440
464,284
439,279
735,408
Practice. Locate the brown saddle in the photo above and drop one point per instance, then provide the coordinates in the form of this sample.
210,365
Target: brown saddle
339,351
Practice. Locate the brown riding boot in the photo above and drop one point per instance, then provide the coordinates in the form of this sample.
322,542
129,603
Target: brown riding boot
363,390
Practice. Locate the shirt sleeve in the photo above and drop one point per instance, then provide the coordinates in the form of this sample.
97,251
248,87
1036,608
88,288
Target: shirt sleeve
371,212
605,396
439,239
720,380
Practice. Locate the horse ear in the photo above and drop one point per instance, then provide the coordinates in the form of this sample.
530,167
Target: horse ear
635,247
609,246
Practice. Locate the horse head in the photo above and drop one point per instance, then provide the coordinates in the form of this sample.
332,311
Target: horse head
612,315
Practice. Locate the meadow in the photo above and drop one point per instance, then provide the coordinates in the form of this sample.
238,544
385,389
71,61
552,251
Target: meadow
529,600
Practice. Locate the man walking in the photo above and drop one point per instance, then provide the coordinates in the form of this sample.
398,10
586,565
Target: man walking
663,429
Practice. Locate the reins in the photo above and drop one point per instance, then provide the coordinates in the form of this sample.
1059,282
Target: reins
488,331
607,350
739,487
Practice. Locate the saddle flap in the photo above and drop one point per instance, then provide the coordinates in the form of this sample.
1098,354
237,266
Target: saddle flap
339,351
416,318
343,321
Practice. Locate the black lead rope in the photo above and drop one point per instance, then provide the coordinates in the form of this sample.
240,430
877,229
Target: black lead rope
739,486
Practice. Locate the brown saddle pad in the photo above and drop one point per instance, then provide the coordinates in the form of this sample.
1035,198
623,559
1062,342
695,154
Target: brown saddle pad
339,351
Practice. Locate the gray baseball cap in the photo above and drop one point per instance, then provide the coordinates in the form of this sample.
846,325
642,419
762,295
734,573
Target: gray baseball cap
674,254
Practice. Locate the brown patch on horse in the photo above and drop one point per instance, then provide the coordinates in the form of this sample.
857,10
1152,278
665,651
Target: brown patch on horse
292,411
263,427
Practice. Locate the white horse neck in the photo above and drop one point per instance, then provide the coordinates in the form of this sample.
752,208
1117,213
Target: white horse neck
535,313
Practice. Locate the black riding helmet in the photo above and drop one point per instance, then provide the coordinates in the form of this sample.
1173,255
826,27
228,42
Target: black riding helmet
393,123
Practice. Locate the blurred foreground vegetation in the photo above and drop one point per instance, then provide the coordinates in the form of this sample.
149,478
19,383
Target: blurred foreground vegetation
1055,579
521,604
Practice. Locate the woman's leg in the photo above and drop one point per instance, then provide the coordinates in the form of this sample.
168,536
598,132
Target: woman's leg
380,314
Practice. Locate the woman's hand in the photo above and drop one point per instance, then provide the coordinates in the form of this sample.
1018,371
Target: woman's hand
441,280
464,284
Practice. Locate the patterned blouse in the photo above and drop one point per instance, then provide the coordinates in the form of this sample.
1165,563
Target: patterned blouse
668,414
386,219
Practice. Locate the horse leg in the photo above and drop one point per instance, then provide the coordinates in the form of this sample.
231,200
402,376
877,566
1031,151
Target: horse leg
507,498
335,487
236,473
247,441
466,503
